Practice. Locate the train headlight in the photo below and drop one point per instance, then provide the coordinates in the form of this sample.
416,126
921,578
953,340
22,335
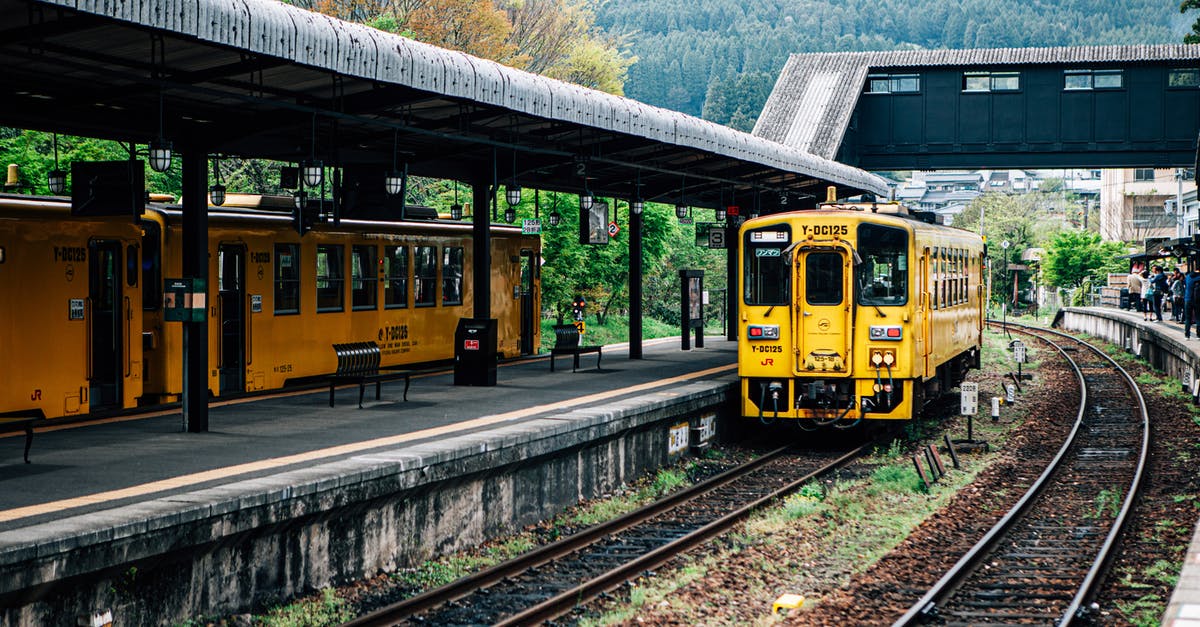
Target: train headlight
886,333
762,332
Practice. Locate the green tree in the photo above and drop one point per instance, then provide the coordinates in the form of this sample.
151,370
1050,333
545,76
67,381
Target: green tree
1024,221
1075,256
1194,36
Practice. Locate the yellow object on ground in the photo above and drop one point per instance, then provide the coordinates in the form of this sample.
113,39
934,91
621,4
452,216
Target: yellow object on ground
787,601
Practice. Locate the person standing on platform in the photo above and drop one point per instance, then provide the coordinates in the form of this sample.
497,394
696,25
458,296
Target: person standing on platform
1134,283
1191,300
1159,289
1178,287
1147,296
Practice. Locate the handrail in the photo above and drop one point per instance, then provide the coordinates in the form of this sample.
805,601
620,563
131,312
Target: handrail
128,331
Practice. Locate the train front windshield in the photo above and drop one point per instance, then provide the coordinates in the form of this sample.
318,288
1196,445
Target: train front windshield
882,276
766,278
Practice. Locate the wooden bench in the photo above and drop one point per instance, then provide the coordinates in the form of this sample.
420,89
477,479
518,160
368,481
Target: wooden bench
566,342
358,362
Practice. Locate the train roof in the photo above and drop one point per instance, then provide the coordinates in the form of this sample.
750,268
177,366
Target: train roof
889,211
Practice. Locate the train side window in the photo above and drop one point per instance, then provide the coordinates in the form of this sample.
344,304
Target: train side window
452,275
395,267
425,263
882,275
287,279
151,266
765,277
364,277
331,281
936,279
131,265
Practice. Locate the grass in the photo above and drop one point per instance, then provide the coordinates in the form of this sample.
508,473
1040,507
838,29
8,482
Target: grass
325,609
615,330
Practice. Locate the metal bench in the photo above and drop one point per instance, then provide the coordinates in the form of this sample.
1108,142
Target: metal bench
566,342
358,362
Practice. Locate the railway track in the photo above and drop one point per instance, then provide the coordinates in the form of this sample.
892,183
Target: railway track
1042,561
552,580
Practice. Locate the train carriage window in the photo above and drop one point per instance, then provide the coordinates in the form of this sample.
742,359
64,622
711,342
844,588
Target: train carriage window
765,267
425,275
364,277
287,279
452,275
935,278
882,275
151,266
331,278
395,266
823,278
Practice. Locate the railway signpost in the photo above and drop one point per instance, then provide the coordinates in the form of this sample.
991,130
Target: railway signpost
969,407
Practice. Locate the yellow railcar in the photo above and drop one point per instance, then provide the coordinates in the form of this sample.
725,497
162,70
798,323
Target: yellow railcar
855,311
81,300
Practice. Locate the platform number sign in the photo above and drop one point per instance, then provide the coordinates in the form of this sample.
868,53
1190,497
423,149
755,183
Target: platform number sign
716,238
613,229
677,441
970,398
1019,351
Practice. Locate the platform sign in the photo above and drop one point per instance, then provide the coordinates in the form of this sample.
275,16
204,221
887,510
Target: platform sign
1018,351
677,439
581,326
531,227
706,430
613,229
1188,377
969,398
716,238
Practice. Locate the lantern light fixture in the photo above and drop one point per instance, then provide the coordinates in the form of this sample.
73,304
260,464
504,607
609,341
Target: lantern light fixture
512,194
681,211
510,215
159,148
299,199
555,218
56,179
637,205
721,213
313,172
586,201
216,193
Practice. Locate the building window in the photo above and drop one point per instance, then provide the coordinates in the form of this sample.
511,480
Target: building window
331,278
1092,79
893,83
1184,77
364,278
425,276
395,267
991,81
452,275
287,278
1152,216
1143,174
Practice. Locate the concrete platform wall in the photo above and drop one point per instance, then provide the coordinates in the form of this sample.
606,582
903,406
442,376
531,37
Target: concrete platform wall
1162,350
230,548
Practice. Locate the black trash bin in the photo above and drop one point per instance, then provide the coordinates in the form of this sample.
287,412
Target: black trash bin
475,351
1125,304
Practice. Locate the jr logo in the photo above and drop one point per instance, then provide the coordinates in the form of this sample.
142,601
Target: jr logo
36,396
767,362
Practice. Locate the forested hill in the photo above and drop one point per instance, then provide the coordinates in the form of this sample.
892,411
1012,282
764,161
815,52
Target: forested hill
719,58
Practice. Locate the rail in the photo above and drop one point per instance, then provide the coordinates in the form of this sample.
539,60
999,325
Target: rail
566,600
968,565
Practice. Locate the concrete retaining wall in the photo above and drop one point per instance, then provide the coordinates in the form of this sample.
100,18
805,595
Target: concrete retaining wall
1163,351
226,549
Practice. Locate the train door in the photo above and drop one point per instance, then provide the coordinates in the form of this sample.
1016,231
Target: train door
925,341
529,315
824,310
105,372
231,300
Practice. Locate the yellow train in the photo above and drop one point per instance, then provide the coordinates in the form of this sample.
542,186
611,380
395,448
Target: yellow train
81,302
855,311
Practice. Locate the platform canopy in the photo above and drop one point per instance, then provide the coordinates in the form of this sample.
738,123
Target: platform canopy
258,78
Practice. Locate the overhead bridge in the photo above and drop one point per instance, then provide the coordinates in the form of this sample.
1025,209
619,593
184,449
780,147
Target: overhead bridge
1096,106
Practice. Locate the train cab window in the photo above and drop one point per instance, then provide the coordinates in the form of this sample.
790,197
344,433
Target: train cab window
331,281
823,278
882,276
765,270
395,267
452,275
425,276
287,279
151,266
364,277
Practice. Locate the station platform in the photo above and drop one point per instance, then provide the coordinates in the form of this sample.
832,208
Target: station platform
288,473
1164,345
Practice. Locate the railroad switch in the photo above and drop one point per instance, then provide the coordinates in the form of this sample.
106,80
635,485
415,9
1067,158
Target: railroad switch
787,602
